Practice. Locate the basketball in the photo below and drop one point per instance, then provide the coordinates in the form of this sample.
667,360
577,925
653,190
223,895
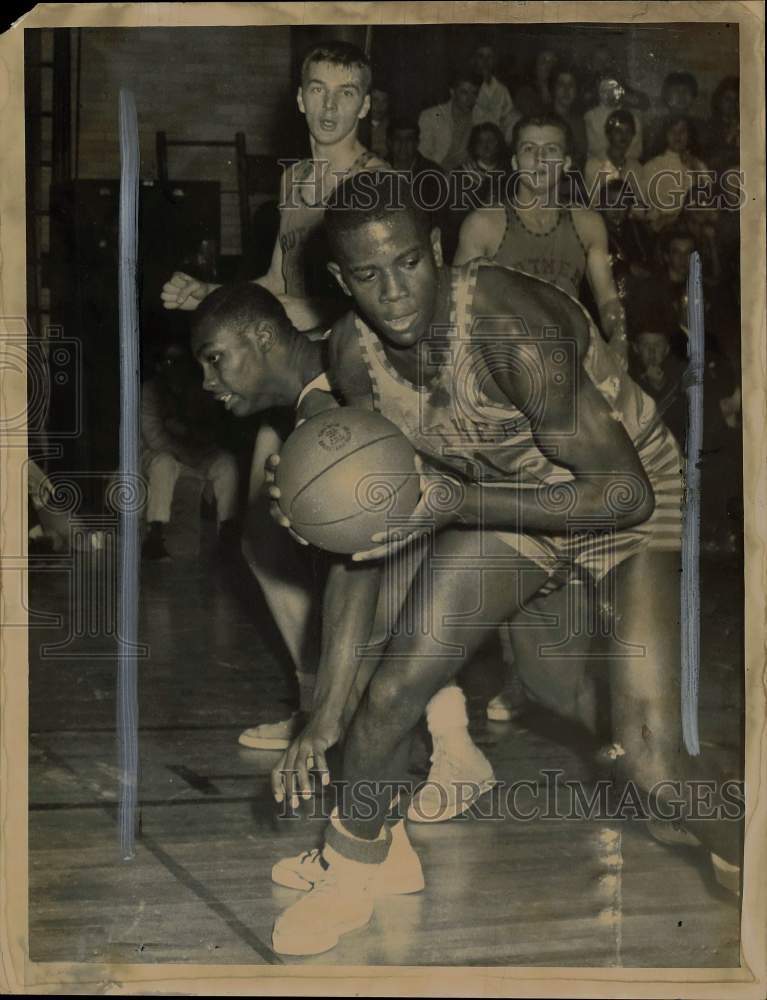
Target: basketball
343,476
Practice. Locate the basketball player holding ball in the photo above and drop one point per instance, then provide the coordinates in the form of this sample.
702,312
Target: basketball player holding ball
334,96
525,421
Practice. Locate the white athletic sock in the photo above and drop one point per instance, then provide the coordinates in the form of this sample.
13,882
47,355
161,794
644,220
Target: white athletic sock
446,712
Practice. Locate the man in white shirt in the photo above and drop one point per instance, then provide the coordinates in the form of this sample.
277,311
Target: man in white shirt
494,103
445,128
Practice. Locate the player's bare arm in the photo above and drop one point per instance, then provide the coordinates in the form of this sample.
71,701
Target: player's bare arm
481,234
593,234
573,426
349,607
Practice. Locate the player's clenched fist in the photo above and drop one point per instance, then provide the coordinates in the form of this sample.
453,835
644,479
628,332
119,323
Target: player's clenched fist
183,291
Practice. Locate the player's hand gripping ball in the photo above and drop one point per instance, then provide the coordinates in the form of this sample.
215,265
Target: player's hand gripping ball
345,475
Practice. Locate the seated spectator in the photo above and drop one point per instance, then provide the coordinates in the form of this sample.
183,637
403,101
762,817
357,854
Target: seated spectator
488,157
627,246
178,438
721,133
700,217
494,103
612,95
669,178
379,121
564,91
667,286
533,95
445,128
479,182
616,165
653,366
402,154
679,93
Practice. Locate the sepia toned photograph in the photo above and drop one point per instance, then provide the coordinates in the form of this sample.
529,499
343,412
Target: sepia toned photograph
385,493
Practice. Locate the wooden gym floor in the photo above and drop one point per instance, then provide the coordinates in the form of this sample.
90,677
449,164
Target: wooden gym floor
499,892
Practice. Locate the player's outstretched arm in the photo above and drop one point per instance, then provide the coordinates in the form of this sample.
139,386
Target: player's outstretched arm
349,606
182,291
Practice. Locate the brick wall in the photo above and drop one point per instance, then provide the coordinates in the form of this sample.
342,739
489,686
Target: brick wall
193,83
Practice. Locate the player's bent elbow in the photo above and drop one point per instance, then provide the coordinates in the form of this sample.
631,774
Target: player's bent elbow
637,504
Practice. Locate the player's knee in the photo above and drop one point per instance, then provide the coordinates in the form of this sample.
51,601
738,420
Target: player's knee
390,698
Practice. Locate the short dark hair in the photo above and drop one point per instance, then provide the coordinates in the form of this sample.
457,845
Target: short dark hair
239,306
339,53
680,79
621,117
671,120
547,119
403,124
727,83
465,74
370,196
477,131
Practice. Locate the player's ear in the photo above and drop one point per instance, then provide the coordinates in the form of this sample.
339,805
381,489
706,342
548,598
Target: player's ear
435,238
335,270
514,164
262,335
567,163
365,108
300,101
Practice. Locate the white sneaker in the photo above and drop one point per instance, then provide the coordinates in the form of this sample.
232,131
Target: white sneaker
399,875
342,901
460,773
272,735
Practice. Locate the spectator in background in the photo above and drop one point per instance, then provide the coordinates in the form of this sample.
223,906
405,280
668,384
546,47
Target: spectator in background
669,178
564,91
178,424
721,133
612,95
534,96
616,164
479,181
679,93
379,120
700,218
432,186
488,157
445,128
655,368
494,103
667,286
627,245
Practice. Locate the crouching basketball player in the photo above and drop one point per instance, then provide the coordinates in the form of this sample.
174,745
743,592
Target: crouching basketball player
539,453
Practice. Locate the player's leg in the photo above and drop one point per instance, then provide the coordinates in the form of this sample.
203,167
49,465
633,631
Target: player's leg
546,655
646,695
162,471
461,608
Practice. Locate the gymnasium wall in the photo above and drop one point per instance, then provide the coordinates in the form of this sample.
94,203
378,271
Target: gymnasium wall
191,83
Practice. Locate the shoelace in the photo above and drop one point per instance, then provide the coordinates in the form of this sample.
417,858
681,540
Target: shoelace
315,854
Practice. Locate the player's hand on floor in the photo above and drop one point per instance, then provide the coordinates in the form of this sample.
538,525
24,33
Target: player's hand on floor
438,508
270,471
182,291
290,778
